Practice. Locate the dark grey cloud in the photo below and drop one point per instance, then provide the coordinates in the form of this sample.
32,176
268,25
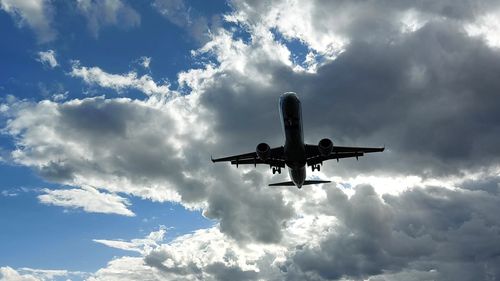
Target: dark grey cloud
223,272
253,214
429,96
450,233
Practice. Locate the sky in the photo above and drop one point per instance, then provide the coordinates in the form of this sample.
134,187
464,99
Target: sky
110,111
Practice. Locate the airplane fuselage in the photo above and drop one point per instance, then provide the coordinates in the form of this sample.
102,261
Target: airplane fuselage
294,149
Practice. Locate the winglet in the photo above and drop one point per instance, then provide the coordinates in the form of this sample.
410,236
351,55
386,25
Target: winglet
211,158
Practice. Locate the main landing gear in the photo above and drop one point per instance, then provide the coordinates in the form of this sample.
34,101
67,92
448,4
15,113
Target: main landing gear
276,169
316,167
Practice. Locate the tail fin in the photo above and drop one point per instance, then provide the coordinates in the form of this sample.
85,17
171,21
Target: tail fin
290,183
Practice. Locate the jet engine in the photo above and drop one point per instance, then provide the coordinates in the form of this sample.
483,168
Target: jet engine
263,151
325,147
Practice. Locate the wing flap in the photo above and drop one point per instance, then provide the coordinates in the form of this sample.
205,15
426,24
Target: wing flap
338,152
276,158
250,155
272,162
319,159
344,149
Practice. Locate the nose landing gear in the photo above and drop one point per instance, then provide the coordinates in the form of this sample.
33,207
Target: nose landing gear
276,169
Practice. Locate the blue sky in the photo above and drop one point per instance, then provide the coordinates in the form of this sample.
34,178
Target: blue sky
110,111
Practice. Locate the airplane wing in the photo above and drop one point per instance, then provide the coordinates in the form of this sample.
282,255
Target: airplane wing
314,157
275,159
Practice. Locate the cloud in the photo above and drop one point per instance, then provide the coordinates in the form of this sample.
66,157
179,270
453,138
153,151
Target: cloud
38,15
174,10
13,192
87,198
119,82
486,27
404,233
179,13
108,13
137,245
48,58
145,61
205,254
9,274
30,274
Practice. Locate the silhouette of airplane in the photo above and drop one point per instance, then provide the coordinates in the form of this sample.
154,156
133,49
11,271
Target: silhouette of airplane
295,154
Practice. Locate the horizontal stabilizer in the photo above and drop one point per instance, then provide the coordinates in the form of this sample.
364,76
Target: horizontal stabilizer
315,182
285,183
290,183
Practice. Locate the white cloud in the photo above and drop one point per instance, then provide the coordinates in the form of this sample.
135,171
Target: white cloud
181,14
9,274
37,14
87,198
60,96
295,20
174,10
150,141
9,193
486,26
205,254
108,13
13,192
239,58
48,58
120,82
144,245
126,269
145,62
30,274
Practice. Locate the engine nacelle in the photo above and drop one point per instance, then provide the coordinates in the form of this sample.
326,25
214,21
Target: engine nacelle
325,147
263,151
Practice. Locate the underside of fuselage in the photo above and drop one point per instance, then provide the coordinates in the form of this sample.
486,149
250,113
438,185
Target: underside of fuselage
294,149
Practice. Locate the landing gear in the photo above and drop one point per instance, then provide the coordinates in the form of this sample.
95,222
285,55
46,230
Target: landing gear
276,169
316,167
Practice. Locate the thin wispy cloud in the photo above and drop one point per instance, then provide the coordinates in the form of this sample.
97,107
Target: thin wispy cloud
48,58
120,82
88,198
37,15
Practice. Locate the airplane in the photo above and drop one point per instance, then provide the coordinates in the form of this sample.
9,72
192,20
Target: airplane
295,154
